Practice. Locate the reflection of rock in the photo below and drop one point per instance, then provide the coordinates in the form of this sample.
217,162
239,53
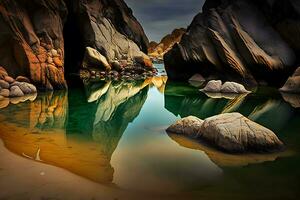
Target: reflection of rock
160,82
111,107
231,132
221,95
197,80
36,130
273,112
50,111
293,99
223,159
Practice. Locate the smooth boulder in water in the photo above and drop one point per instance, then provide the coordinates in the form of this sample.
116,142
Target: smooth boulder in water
231,132
233,88
213,86
189,126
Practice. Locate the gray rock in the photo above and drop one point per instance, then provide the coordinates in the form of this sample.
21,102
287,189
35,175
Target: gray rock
293,83
234,88
230,132
189,126
93,58
4,84
235,133
26,88
213,86
15,91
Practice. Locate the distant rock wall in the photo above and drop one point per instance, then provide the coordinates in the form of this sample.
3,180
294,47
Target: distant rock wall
157,51
251,42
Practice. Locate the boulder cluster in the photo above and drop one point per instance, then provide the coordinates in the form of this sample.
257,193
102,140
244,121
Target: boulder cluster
97,67
228,87
230,132
14,90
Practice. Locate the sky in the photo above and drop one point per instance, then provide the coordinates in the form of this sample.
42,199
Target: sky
161,17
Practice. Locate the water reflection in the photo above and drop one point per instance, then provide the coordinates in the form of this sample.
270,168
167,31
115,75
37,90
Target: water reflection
265,106
114,133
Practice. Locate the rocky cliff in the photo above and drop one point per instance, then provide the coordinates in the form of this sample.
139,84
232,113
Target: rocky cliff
252,42
157,51
32,36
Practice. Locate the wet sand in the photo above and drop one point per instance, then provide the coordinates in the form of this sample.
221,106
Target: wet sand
21,178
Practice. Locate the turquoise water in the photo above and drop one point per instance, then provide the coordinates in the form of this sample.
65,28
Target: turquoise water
117,131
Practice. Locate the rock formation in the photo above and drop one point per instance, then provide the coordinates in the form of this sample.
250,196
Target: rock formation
31,41
15,90
157,51
230,132
110,28
293,83
32,37
226,88
250,42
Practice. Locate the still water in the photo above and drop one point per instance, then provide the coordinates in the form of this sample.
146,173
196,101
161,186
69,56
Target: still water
113,134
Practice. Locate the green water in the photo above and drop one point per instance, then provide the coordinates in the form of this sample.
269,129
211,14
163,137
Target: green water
127,121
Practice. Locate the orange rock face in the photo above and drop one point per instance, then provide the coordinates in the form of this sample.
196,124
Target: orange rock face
29,37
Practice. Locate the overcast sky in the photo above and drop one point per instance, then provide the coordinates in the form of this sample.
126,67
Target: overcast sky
161,17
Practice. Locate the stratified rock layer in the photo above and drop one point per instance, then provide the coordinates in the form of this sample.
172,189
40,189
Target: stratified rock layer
250,42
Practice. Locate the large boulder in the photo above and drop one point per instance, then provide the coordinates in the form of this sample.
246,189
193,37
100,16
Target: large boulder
248,41
93,58
230,132
213,86
293,83
227,88
15,91
233,88
189,126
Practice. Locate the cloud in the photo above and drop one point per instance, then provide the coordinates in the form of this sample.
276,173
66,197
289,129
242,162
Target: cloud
160,17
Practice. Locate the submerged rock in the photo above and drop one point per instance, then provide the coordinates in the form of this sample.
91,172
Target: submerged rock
230,132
